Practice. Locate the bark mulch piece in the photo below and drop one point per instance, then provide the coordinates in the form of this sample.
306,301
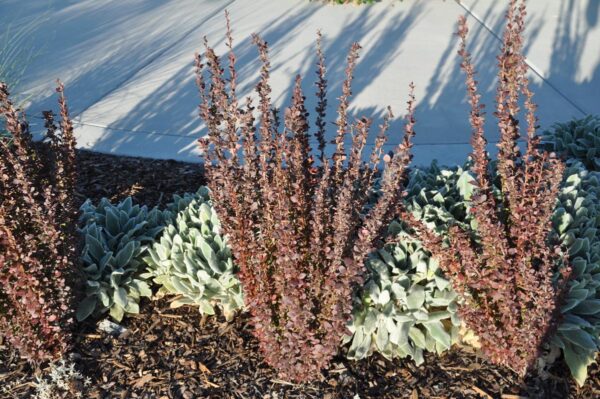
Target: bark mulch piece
174,353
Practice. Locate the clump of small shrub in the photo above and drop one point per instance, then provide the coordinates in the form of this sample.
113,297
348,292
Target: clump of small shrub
297,230
193,260
116,239
577,139
504,270
37,233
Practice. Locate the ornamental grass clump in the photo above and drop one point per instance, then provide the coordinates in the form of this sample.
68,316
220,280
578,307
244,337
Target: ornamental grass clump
299,232
37,233
503,270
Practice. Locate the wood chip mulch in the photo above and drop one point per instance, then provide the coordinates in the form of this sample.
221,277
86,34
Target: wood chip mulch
174,353
148,181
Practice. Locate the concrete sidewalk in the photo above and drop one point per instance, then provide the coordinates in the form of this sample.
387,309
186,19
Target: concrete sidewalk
128,69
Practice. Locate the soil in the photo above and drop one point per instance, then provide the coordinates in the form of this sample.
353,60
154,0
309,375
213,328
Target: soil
175,353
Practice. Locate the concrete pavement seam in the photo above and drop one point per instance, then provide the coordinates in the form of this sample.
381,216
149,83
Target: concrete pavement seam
529,63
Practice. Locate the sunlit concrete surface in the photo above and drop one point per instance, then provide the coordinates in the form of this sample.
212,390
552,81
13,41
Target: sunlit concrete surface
128,67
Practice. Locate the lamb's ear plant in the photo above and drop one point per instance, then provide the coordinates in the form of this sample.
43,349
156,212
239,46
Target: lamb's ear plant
576,223
116,238
193,260
298,232
38,221
440,196
504,270
406,306
578,139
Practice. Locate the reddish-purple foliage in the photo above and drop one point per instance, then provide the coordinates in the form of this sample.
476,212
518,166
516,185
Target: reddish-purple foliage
298,231
505,274
37,233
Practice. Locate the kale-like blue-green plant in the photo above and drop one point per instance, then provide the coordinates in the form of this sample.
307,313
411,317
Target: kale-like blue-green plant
578,139
193,260
116,238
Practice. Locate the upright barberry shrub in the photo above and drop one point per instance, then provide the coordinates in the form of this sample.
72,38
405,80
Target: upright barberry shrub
503,269
37,233
299,233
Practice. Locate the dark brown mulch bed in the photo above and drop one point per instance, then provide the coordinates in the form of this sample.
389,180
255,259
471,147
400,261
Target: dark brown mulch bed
147,181
170,353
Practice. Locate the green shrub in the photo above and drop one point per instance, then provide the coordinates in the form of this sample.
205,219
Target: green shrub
116,238
192,258
577,139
